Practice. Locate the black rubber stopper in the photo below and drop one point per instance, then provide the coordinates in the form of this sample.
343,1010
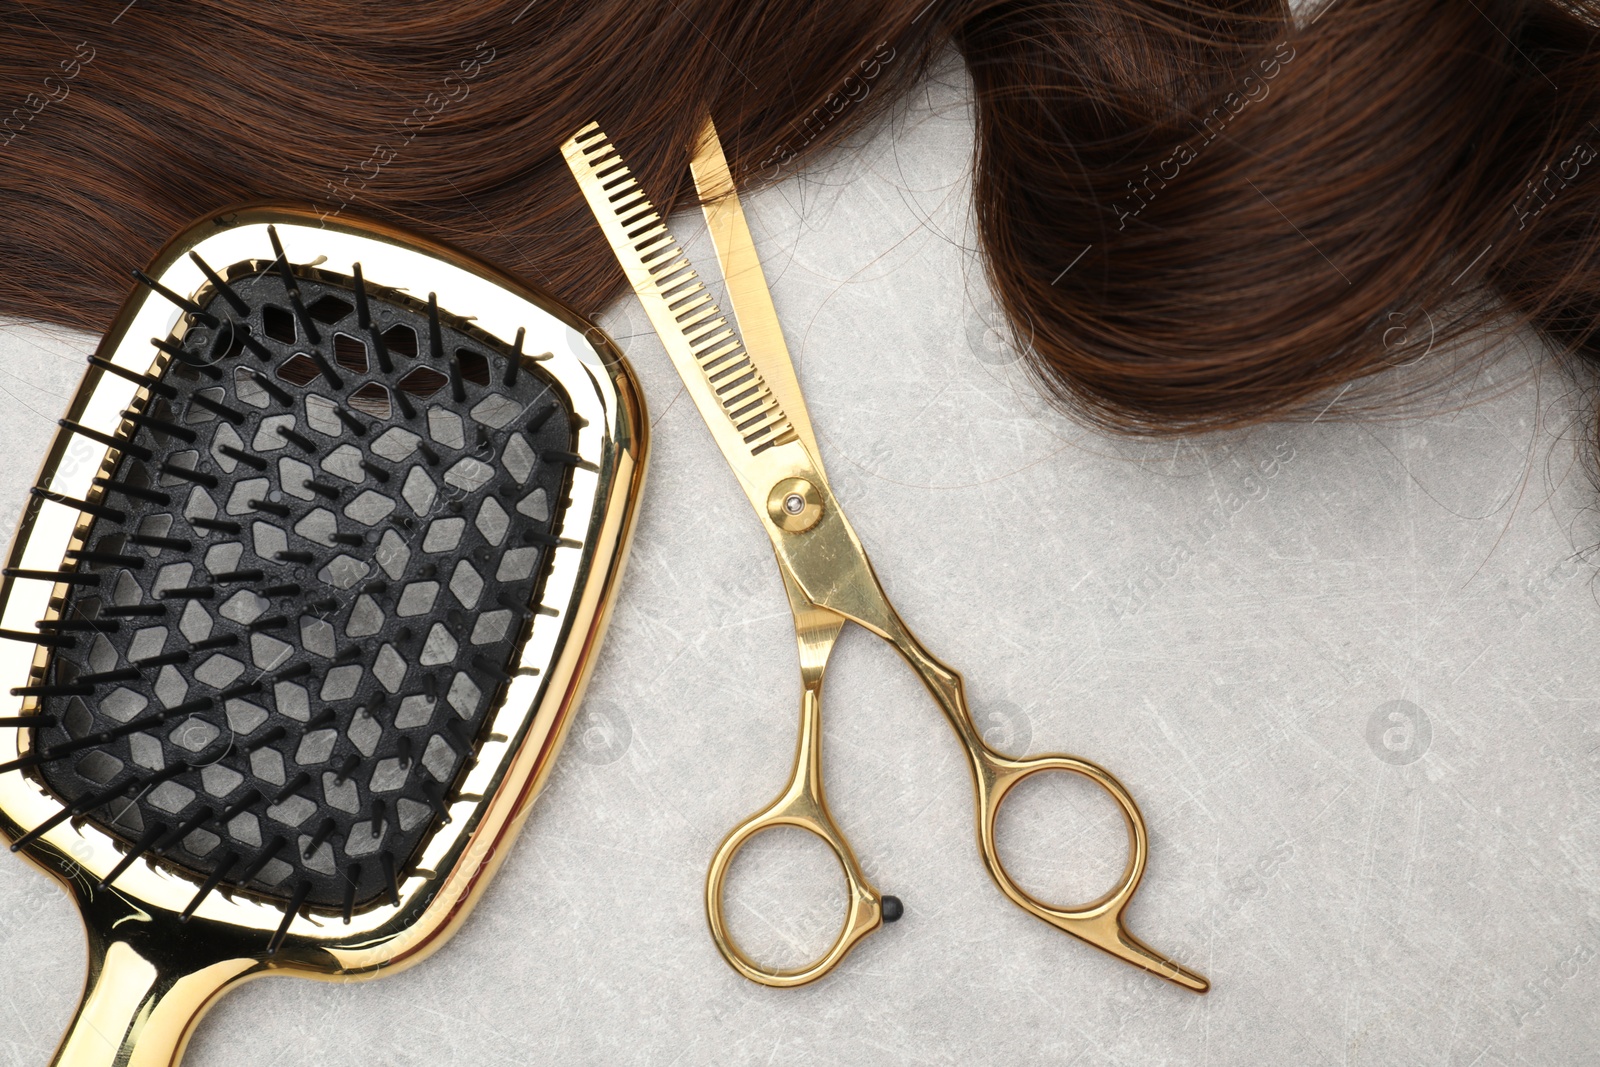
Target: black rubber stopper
892,909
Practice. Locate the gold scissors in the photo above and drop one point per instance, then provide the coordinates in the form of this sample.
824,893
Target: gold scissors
747,393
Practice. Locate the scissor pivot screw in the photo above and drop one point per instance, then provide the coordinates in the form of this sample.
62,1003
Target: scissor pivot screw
795,505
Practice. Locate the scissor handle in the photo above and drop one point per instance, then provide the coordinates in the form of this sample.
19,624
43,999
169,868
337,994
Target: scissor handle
1099,922
801,804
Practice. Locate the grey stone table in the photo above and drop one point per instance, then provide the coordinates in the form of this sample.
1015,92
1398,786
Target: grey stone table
1346,668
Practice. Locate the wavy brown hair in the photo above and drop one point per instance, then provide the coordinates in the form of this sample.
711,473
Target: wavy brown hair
1205,213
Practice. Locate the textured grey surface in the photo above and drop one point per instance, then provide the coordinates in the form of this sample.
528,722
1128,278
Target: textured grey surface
1346,669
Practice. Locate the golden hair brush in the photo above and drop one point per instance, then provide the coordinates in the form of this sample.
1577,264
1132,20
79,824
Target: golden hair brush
299,609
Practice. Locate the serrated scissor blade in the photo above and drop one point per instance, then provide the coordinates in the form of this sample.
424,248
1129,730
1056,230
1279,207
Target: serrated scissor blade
733,395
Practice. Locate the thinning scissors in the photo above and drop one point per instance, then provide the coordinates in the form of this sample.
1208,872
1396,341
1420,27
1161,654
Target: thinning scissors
747,393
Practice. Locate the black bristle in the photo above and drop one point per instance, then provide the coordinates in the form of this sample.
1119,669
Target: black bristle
189,306
136,492
115,559
183,829
257,349
178,352
119,674
150,663
435,334
353,424
380,347
325,365
134,611
69,811
140,847
307,327
28,720
158,388
120,443
408,410
301,891
359,285
244,803
79,625
253,574
435,794
215,879
494,670
376,471
292,285
280,262
283,511
254,462
270,387
47,640
300,441
99,511
514,364
177,544
271,737
458,387
69,577
51,690
223,289
145,421
269,852
291,787
323,831
350,882
189,475
222,526
541,417
190,592
233,415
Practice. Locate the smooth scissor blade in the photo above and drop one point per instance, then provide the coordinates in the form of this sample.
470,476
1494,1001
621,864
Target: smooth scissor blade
748,292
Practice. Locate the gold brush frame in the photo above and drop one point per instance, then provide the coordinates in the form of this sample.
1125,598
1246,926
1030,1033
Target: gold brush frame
150,978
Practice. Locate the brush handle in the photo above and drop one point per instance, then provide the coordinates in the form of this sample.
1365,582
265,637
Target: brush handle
149,981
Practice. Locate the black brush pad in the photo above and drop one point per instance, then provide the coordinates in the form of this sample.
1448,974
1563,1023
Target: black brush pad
316,589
